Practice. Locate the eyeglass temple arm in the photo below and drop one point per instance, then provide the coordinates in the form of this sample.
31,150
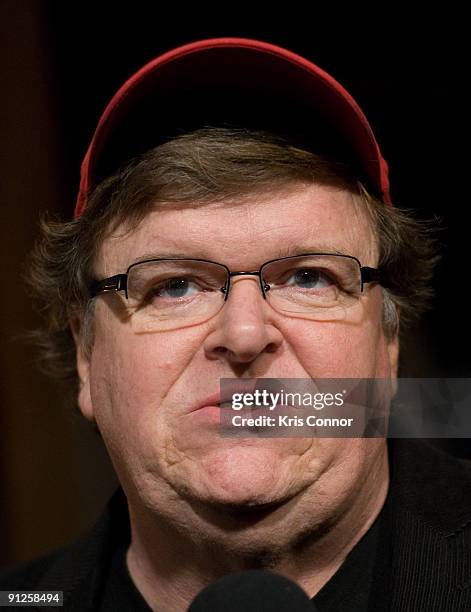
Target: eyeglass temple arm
371,275
119,282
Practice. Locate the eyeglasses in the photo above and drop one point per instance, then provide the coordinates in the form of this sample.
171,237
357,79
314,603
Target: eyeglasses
164,294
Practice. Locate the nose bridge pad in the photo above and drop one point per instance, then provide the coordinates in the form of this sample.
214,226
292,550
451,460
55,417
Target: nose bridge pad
255,276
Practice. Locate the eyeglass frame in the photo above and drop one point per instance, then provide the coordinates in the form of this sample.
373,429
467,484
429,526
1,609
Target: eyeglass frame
118,282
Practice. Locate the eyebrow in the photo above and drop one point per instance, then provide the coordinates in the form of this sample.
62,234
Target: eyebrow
287,251
318,248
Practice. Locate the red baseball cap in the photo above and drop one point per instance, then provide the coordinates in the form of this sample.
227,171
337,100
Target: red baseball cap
237,82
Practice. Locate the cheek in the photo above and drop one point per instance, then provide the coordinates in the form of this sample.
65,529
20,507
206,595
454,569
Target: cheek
354,347
133,373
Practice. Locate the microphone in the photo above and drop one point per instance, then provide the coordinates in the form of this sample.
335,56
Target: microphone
252,591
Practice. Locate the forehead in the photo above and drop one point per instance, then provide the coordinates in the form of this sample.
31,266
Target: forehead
243,234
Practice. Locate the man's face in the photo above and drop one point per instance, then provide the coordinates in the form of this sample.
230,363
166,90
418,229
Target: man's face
141,388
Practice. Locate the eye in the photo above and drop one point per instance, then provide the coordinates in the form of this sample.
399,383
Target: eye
175,288
308,278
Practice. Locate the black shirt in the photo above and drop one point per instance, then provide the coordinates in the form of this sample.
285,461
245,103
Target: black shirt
349,588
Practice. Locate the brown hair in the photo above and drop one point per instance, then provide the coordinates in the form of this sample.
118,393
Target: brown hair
208,165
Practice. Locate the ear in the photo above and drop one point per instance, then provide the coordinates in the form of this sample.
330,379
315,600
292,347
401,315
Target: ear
391,327
83,369
393,352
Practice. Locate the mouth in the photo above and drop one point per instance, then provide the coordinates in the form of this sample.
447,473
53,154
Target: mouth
224,397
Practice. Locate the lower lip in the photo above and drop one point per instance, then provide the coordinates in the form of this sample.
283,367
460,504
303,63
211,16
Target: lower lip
211,414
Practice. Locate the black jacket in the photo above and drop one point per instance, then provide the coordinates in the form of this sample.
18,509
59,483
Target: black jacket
425,564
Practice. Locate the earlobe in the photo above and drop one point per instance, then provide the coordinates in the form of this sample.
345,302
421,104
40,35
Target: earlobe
83,370
85,399
393,352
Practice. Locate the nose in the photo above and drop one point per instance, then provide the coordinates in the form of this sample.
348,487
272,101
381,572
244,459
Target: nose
243,329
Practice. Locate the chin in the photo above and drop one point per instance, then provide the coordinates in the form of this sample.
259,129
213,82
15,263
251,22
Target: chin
244,476
254,533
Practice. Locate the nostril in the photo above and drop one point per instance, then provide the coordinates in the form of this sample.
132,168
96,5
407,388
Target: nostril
272,347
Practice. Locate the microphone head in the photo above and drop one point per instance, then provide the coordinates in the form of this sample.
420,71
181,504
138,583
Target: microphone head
252,591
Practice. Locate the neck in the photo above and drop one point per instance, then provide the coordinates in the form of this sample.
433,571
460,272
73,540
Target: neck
170,564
